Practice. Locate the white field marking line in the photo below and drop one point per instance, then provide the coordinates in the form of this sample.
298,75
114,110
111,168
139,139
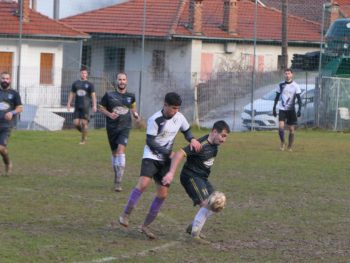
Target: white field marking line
75,196
170,219
24,189
142,253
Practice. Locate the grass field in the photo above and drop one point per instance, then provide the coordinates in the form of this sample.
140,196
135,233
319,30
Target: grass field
282,207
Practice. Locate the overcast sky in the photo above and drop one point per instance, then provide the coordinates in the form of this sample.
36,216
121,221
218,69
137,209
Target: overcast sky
72,7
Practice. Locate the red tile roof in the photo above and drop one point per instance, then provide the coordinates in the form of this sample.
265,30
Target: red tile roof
168,18
310,9
38,25
344,6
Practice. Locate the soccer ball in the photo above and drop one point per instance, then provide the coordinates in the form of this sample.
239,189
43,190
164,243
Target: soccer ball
217,201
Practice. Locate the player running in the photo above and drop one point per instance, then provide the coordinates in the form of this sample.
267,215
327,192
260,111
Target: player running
118,106
194,177
162,128
10,106
84,92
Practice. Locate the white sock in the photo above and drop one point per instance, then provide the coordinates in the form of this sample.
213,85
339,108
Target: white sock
119,167
199,220
114,160
120,160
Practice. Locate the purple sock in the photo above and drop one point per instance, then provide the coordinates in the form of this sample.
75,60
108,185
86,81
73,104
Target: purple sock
153,211
133,199
281,134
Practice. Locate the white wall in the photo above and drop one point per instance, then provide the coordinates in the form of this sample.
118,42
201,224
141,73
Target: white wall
30,88
33,92
269,52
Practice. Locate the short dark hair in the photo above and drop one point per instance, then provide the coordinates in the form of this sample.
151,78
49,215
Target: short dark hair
121,73
83,68
221,125
5,73
288,69
173,99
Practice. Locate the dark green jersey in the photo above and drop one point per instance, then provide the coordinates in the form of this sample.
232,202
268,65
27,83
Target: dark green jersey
199,163
9,100
82,90
121,103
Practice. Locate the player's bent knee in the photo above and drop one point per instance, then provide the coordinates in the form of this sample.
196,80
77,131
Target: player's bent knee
3,149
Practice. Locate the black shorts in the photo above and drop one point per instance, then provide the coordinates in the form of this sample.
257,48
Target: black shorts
81,114
288,115
155,169
197,188
4,136
116,137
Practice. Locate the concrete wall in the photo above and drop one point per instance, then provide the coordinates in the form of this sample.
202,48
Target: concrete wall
183,65
30,88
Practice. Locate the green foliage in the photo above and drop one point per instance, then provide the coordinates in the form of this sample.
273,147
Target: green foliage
282,206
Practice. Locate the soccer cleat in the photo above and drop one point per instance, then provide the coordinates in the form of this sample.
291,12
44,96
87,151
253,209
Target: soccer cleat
124,220
189,231
147,232
290,149
118,187
8,169
197,239
282,146
82,142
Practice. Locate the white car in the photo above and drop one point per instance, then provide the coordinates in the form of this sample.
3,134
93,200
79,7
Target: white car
263,117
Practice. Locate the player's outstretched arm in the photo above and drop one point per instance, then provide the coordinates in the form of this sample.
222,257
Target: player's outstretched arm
194,144
175,161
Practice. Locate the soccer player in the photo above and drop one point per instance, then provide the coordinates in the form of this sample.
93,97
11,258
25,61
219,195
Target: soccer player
84,93
195,173
162,128
118,106
10,106
286,93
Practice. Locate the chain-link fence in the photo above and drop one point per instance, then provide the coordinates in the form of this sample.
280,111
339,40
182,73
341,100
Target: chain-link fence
334,104
220,55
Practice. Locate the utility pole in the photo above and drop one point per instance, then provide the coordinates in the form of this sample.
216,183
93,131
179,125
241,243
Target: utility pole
284,57
56,9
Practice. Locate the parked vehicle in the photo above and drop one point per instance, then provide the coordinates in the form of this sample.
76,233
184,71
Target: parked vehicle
263,117
337,39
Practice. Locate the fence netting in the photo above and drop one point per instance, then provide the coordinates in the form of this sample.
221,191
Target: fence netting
219,55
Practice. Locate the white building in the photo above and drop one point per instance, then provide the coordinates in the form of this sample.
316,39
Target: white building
185,42
32,51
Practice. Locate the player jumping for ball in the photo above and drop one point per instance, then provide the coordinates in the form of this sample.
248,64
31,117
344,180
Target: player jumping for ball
162,128
118,105
194,177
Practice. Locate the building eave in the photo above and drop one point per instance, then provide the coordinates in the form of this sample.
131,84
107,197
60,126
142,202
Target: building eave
247,40
44,37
